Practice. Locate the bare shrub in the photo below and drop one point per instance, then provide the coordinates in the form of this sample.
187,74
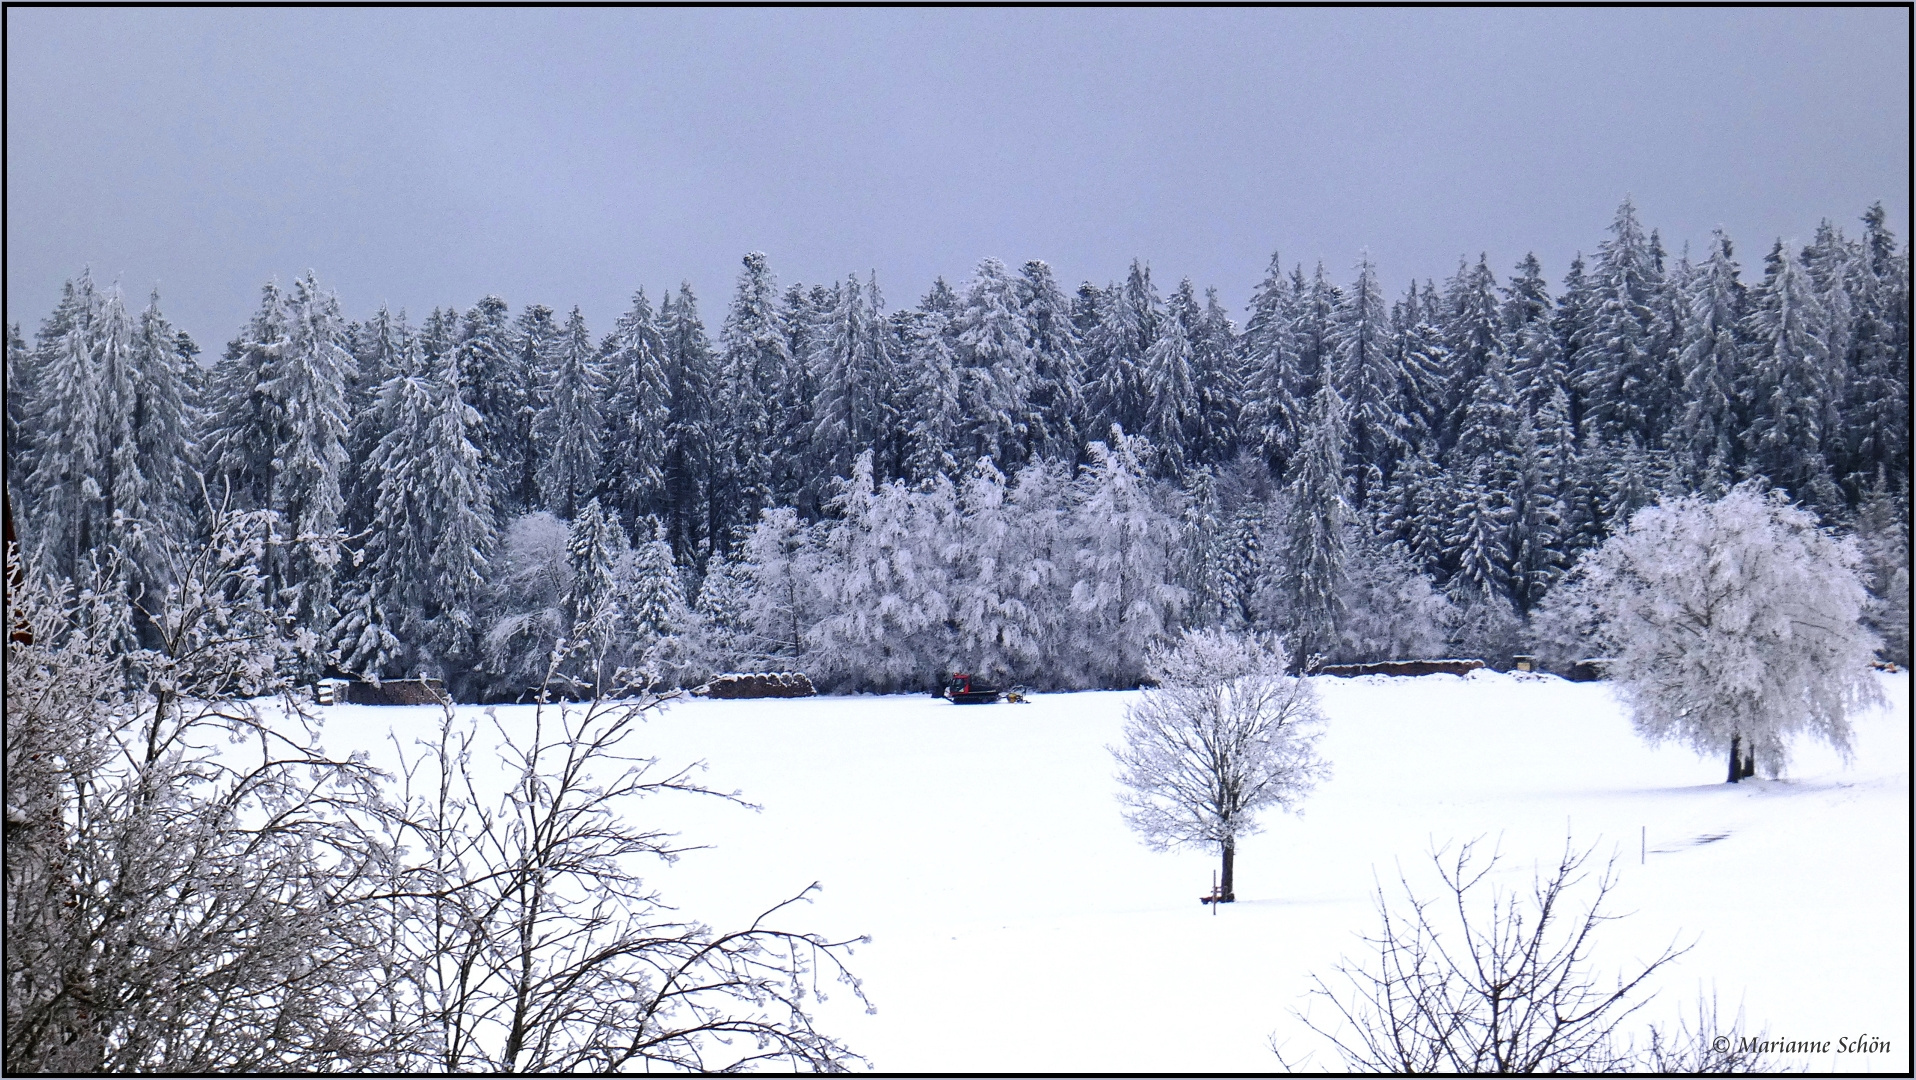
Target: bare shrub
1484,980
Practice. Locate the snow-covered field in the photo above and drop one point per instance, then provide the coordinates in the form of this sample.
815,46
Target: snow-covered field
1018,926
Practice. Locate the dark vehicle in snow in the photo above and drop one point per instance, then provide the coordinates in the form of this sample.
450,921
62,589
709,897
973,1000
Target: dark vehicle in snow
961,689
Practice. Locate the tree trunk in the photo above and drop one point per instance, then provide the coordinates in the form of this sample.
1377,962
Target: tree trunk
1225,895
1742,759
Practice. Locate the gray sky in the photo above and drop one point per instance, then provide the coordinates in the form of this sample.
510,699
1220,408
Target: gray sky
427,157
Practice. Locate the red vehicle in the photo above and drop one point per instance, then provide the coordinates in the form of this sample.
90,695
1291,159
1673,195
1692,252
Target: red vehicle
961,690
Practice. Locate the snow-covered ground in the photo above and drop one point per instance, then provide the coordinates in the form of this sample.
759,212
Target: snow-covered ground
1018,926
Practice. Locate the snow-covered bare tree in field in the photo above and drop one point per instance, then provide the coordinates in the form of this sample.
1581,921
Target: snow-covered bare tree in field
1733,624
1225,736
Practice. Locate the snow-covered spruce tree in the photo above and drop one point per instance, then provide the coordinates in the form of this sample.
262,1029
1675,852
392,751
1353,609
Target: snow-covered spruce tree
1171,409
306,391
1220,393
1877,416
414,605
1473,332
593,602
1367,379
1225,736
570,429
59,455
1273,419
995,369
1792,382
537,337
723,638
929,416
379,347
1056,398
638,409
691,377
1732,626
492,382
1882,538
755,354
1128,326
1617,369
852,370
1125,595
1313,571
1712,364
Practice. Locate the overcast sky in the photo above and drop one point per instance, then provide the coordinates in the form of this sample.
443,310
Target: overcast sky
428,157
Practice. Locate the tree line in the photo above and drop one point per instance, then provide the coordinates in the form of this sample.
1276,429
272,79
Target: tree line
1041,482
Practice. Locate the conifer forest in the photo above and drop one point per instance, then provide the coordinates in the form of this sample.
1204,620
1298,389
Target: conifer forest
1012,476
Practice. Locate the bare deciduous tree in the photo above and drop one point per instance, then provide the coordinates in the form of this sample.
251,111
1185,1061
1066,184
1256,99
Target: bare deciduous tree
1483,980
193,886
1225,735
530,942
172,903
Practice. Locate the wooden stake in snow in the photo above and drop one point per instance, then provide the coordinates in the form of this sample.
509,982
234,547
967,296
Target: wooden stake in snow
1643,845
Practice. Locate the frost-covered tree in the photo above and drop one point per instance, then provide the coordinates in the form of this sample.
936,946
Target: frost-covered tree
1733,625
754,358
929,410
995,368
185,866
1368,381
883,584
1225,736
1392,609
570,429
1056,398
781,556
638,410
414,604
1792,382
1882,538
1877,419
1125,595
1219,392
529,617
689,444
1171,408
1273,419
1712,369
538,337
1617,368
1313,587
492,381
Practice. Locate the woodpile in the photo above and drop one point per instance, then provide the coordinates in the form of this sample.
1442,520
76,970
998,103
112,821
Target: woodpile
1403,667
398,692
758,684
